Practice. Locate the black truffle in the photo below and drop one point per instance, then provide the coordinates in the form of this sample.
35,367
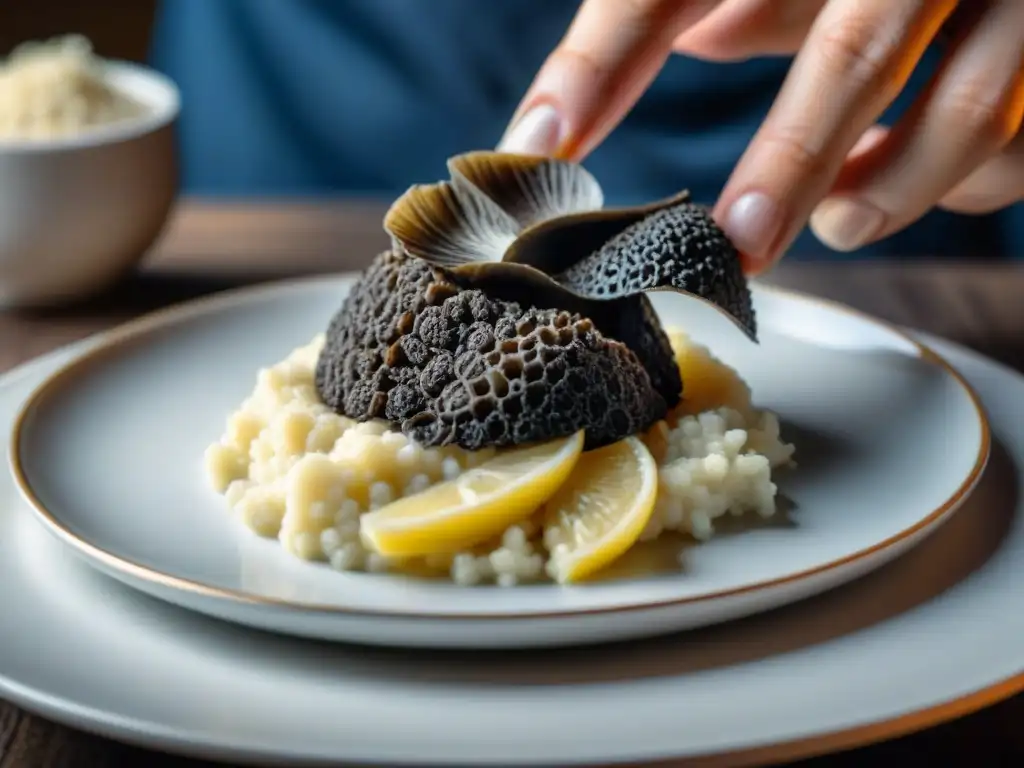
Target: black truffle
451,365
512,308
678,247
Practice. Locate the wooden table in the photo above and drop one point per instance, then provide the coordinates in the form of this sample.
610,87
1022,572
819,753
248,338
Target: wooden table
211,247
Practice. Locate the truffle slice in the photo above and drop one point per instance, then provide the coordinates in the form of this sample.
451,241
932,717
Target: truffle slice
450,224
455,365
542,220
530,189
673,248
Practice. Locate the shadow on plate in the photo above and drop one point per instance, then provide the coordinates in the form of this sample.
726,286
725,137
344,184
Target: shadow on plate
960,547
817,451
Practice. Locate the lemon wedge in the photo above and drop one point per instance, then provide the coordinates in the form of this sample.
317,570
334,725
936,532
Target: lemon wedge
708,383
477,505
601,510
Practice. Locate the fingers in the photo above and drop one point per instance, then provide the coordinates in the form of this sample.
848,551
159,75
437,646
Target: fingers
997,184
972,109
855,60
611,53
742,29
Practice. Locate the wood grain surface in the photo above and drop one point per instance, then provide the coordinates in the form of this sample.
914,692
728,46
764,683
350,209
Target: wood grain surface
212,247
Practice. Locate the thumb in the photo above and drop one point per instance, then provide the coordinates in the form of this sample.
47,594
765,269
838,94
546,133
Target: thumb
607,59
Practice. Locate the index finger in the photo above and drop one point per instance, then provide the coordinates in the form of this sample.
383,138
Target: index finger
606,60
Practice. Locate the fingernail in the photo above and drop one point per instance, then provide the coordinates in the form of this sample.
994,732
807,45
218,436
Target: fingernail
845,225
753,223
868,140
538,132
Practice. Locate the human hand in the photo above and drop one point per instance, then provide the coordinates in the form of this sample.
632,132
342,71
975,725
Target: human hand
819,156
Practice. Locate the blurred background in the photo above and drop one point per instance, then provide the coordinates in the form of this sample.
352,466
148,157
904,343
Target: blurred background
118,28
360,98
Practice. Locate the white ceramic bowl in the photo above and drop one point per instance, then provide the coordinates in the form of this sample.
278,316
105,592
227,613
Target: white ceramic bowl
78,212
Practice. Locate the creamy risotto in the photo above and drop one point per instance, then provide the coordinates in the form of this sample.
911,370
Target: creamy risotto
58,88
291,468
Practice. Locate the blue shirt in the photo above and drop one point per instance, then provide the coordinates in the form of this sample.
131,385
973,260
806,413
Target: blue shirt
365,97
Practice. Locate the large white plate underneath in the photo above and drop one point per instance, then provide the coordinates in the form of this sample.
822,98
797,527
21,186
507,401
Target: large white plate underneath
934,635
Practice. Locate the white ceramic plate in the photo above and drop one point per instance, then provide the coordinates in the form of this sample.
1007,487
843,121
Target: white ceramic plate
932,636
108,452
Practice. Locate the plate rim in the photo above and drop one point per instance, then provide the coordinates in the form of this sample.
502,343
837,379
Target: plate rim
109,342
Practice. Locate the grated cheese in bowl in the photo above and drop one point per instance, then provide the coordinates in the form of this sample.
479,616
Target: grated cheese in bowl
58,88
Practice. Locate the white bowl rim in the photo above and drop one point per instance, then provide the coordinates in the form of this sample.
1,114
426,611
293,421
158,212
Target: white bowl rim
157,91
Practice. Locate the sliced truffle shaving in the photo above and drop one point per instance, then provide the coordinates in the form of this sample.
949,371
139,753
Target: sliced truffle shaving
555,245
450,223
530,188
674,249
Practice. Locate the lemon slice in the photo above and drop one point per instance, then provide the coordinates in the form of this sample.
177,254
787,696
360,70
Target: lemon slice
601,509
477,505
